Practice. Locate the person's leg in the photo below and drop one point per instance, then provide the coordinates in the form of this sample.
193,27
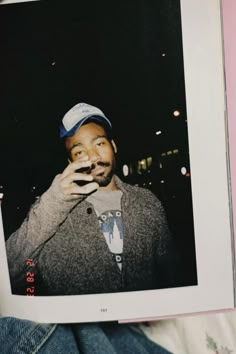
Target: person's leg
62,341
114,338
27,337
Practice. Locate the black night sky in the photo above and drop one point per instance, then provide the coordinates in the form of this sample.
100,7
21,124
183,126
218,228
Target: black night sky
124,57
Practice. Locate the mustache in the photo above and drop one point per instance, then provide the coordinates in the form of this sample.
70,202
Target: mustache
88,169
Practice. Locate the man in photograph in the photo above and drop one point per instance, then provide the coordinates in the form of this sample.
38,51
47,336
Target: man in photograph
90,232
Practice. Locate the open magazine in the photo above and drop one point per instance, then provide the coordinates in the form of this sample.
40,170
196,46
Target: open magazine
115,181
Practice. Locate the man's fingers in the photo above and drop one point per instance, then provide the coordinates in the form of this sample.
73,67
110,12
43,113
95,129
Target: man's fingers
72,167
74,190
75,177
68,180
88,188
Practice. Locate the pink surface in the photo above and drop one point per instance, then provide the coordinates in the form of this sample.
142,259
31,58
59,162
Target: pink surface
229,28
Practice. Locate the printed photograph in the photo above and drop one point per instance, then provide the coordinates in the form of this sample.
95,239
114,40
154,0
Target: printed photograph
95,178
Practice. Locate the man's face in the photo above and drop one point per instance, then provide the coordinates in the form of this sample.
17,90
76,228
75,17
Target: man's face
90,143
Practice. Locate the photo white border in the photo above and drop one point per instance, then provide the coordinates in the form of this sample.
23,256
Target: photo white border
205,96
7,2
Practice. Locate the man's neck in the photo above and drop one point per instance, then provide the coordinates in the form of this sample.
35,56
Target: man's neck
110,187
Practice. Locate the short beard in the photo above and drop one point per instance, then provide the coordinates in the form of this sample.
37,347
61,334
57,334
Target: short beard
103,180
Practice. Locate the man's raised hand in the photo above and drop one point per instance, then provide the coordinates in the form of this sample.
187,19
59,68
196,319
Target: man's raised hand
67,181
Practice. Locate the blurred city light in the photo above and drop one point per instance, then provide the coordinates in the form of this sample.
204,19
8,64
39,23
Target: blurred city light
183,170
125,170
176,113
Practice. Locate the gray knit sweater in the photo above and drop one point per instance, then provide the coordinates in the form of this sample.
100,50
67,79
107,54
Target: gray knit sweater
70,253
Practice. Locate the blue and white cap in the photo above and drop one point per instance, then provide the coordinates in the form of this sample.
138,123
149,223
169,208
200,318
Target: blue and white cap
78,115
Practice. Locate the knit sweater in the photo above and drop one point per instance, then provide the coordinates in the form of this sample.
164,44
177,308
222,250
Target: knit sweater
70,254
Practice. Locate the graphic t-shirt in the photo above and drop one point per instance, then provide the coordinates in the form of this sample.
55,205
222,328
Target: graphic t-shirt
107,205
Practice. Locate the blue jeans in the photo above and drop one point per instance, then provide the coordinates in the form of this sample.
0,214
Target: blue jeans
26,337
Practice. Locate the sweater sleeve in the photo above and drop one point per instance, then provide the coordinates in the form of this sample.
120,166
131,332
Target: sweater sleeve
41,223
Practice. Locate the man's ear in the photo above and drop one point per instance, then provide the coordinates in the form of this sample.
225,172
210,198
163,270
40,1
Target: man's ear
114,146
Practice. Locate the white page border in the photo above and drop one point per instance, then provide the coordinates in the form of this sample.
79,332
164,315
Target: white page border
203,61
7,2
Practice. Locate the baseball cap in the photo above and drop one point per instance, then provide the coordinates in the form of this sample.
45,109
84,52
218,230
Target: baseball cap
78,115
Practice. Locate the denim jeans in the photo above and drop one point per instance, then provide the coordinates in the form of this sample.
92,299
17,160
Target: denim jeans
26,337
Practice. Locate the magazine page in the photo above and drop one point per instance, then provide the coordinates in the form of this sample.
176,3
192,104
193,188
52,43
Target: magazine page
228,63
230,76
114,190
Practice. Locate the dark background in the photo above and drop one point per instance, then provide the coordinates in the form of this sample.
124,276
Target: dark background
124,57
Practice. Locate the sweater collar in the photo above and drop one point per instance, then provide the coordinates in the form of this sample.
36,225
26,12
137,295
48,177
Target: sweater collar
120,184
